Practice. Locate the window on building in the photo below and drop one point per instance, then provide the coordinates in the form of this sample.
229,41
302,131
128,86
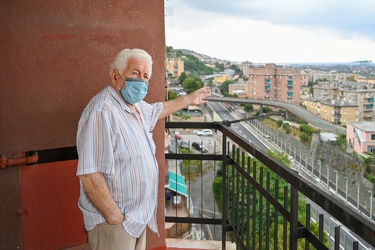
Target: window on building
372,136
371,149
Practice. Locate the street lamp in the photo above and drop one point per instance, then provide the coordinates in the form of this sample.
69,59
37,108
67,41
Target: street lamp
337,178
370,204
320,169
346,189
357,195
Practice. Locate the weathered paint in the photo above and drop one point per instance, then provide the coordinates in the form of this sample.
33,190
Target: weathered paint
54,57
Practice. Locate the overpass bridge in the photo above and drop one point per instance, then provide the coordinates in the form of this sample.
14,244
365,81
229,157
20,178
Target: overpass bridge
289,108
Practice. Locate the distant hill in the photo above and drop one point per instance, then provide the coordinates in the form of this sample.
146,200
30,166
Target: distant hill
202,57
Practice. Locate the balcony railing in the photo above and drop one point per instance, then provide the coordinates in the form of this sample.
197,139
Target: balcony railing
262,199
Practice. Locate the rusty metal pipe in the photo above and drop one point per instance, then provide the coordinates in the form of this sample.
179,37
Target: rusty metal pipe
6,162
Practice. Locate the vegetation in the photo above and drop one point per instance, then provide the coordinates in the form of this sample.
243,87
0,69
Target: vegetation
248,107
182,77
224,87
242,201
172,95
192,83
193,65
341,142
266,110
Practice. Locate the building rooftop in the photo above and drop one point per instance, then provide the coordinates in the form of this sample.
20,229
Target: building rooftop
364,126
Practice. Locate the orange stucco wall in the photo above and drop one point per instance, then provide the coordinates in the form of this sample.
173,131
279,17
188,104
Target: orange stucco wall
55,56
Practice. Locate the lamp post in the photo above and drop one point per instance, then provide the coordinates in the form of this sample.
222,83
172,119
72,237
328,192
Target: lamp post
327,176
320,169
346,189
357,195
290,148
370,204
337,178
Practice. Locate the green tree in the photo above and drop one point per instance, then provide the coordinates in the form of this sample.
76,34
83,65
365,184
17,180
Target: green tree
279,123
303,137
220,66
192,64
286,127
224,87
172,95
341,141
192,83
236,69
248,107
182,77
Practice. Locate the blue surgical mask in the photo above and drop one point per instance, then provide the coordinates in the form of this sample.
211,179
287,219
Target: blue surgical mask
135,90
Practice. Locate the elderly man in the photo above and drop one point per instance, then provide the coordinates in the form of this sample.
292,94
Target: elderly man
116,154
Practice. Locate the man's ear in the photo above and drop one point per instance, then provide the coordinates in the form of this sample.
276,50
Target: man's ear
114,77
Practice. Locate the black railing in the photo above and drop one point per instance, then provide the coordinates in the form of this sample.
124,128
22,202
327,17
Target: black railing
262,200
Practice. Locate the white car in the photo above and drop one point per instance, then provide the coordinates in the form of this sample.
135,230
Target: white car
204,132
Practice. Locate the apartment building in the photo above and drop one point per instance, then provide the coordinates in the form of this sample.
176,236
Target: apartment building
334,111
275,83
245,67
239,88
361,136
175,67
220,79
341,98
316,76
365,80
304,78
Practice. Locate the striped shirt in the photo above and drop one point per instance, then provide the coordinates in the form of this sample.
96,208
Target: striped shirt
111,140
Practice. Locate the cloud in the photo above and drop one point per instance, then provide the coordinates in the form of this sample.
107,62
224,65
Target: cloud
346,17
268,31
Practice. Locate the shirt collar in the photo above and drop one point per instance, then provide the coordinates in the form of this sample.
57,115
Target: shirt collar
118,98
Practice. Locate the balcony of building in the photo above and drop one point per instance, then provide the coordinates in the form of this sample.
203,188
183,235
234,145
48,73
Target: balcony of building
242,198
368,107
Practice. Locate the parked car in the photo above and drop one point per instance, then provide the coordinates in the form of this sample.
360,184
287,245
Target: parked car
196,132
177,134
184,144
206,132
199,147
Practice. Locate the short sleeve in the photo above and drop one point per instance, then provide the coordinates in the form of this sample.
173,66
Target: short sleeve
151,113
94,145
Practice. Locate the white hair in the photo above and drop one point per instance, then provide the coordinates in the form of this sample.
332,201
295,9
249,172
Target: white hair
122,59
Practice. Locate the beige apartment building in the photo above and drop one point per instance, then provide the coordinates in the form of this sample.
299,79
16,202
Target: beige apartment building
333,111
275,83
365,80
239,88
220,79
342,102
175,67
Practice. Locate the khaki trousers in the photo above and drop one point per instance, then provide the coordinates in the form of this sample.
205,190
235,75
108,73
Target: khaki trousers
113,237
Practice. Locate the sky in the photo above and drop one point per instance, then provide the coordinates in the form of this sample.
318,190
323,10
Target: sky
274,31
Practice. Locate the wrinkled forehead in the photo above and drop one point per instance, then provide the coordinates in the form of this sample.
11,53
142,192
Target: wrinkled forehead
141,65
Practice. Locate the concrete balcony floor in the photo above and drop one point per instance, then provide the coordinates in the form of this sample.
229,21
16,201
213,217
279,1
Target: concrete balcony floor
179,244
176,244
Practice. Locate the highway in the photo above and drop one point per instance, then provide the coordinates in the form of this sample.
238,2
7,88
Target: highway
292,108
